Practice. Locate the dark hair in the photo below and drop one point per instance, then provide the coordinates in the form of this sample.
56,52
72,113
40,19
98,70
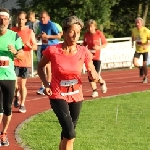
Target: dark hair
22,12
70,21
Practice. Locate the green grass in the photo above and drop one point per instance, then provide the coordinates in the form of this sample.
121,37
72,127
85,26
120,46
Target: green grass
116,123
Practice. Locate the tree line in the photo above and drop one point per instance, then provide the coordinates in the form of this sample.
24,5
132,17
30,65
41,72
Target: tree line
115,18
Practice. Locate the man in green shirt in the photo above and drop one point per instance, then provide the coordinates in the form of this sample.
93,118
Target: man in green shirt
10,49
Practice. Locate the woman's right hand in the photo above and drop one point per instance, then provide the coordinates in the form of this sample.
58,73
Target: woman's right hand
47,91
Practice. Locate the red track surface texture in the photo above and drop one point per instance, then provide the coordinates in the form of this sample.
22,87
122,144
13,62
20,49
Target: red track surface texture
118,82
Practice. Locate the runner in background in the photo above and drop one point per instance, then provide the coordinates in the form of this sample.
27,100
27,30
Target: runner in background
33,24
95,40
22,67
141,35
49,34
65,90
10,48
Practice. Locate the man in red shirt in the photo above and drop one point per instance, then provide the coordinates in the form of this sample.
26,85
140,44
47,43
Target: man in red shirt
95,41
22,67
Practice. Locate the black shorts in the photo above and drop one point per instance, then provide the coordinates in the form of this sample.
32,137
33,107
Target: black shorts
97,65
145,55
7,88
22,72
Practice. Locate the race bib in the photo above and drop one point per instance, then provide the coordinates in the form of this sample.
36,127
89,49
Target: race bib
69,87
92,51
138,41
4,61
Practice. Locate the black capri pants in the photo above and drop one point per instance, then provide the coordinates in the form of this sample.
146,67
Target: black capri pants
68,115
97,64
7,88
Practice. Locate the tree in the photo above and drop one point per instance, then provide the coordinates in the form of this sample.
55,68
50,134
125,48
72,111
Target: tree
100,10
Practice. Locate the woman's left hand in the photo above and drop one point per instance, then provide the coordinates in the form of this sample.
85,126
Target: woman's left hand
93,75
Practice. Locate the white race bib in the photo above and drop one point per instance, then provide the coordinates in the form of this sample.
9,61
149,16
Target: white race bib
92,51
69,87
138,41
4,61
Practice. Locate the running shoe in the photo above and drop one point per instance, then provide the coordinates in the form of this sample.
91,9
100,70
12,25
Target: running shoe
40,91
4,139
103,87
16,101
145,80
22,109
95,94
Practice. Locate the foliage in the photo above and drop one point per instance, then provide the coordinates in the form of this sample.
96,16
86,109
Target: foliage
85,9
114,17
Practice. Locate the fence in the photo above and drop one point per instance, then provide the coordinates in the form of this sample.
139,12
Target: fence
117,54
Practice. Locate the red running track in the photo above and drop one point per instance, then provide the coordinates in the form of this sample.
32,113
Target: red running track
118,82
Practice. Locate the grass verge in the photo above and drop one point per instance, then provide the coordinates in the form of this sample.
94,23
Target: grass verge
116,123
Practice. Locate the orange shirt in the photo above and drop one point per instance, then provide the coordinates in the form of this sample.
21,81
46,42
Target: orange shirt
91,40
66,72
27,36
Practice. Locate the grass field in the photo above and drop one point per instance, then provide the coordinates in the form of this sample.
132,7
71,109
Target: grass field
115,123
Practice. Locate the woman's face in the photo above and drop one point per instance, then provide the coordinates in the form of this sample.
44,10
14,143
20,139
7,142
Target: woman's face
72,35
91,28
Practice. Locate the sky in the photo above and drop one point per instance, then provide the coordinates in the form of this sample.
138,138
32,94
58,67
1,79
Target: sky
8,4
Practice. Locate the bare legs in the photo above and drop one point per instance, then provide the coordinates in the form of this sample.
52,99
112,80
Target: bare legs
66,144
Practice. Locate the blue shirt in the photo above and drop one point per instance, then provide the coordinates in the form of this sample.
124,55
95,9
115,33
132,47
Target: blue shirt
49,29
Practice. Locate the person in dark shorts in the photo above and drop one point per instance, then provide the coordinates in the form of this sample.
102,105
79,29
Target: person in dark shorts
23,67
10,48
95,40
140,36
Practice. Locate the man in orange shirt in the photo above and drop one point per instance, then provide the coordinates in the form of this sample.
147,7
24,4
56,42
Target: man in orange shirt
95,41
22,67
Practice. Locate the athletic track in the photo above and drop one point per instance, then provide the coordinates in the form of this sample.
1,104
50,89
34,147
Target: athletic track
118,82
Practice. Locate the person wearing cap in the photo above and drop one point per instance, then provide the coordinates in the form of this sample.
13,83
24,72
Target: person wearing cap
65,91
95,40
10,49
140,36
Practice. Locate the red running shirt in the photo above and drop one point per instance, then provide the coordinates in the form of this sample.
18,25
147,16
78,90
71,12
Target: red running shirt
27,36
66,72
91,40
